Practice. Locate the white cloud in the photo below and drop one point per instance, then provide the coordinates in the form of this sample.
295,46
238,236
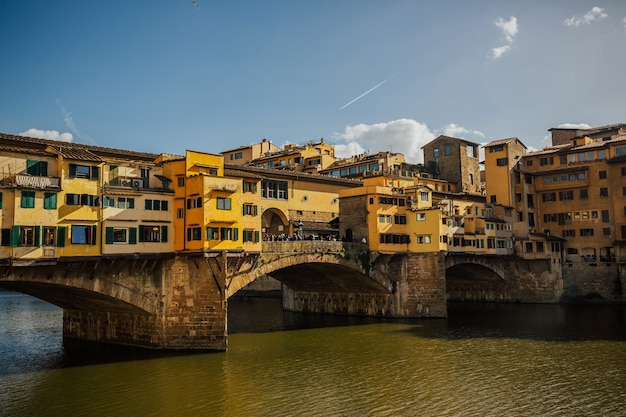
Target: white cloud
499,51
456,131
596,13
624,22
405,136
509,29
574,126
48,134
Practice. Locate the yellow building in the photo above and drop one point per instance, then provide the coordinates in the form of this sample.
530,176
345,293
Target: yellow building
208,206
358,166
577,191
310,158
244,154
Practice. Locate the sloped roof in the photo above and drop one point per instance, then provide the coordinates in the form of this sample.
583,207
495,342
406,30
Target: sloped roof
504,142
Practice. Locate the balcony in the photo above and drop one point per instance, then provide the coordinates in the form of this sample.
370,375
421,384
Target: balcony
31,182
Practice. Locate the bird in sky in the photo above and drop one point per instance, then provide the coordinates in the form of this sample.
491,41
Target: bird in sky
195,3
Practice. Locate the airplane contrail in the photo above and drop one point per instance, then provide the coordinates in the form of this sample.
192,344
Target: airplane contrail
364,94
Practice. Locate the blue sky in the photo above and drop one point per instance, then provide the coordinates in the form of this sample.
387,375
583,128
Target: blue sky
166,76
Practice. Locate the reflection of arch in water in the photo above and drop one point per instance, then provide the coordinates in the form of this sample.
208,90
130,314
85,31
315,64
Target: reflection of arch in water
274,221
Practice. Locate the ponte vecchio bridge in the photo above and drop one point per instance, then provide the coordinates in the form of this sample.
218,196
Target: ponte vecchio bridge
180,302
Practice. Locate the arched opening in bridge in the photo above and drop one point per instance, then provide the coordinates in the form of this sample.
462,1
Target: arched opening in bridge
274,223
474,282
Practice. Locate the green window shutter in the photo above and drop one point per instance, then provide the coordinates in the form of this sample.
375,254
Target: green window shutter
94,231
131,203
43,168
37,237
109,235
142,232
148,204
235,234
95,173
256,210
32,167
132,235
72,170
163,233
0,200
61,231
15,236
256,235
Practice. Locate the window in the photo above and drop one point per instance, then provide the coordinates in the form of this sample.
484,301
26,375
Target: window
605,216
154,233
108,201
212,233
548,197
572,158
496,148
606,231
125,203
446,150
601,154
50,201
72,199
529,201
250,236
28,199
436,153
569,233
49,235
223,203
382,218
158,205
423,196
529,162
84,171
250,210
549,218
250,187
83,235
584,194
37,168
604,192
539,246
586,232
399,219
421,217
226,233
424,239
274,189
180,213
546,161
563,159
602,175
181,181
566,195
623,171
502,162
193,233
470,151
397,239
89,200
117,235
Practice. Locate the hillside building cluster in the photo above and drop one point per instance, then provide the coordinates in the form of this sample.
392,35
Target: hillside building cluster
565,204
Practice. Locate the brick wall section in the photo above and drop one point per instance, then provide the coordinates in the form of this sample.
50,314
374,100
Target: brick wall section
585,280
353,217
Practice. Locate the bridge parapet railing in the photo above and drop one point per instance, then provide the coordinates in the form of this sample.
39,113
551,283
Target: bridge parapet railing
312,246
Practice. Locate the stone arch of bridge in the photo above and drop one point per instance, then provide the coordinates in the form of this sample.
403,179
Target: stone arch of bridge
274,222
85,294
314,272
475,279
